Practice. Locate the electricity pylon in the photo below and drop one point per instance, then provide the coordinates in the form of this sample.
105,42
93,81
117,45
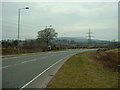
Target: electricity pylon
89,37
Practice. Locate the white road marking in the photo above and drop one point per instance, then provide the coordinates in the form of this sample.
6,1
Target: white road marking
26,61
17,64
6,66
9,58
41,73
29,61
15,57
48,52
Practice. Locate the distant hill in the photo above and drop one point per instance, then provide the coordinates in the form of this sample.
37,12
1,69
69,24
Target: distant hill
81,39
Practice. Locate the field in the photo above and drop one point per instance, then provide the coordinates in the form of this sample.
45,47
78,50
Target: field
87,70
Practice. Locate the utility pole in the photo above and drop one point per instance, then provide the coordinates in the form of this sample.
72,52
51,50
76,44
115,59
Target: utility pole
19,26
89,37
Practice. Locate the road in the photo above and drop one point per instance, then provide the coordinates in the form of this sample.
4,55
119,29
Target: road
17,71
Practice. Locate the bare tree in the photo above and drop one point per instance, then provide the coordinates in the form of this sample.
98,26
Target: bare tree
47,35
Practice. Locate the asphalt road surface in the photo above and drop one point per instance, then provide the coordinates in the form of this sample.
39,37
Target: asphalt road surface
17,71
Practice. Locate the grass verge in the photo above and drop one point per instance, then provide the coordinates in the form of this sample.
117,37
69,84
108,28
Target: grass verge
81,72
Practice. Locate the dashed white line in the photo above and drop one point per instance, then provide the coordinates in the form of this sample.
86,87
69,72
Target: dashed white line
25,61
9,58
17,64
29,61
15,57
6,66
41,73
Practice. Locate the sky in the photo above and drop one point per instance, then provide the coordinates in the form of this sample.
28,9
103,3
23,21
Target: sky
69,19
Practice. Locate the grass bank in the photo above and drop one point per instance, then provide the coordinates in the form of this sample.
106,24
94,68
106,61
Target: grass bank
82,72
106,59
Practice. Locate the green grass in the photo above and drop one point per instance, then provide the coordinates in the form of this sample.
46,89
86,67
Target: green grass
80,72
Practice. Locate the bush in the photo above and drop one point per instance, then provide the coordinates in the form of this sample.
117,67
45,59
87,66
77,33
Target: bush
108,59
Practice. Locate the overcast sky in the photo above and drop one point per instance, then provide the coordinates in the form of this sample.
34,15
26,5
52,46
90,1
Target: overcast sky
68,19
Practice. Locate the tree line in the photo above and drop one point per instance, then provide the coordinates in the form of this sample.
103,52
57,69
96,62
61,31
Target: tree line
46,41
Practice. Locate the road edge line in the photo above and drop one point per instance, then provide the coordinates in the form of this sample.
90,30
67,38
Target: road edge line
41,73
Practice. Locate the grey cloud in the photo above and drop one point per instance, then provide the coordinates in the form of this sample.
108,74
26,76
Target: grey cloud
65,17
